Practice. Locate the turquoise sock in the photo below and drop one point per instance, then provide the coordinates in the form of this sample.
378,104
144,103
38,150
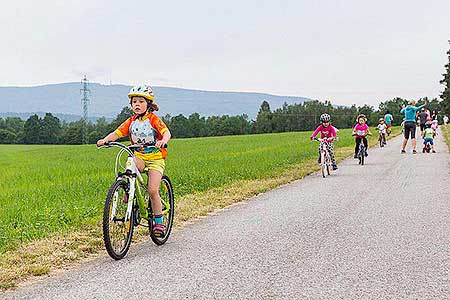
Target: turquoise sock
158,219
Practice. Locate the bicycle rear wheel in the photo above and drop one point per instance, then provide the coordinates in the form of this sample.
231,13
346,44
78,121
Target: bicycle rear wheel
168,206
117,229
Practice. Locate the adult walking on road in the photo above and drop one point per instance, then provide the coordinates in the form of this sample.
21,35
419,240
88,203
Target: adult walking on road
410,123
423,118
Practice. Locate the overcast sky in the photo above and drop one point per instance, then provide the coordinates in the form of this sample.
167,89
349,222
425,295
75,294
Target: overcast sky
352,51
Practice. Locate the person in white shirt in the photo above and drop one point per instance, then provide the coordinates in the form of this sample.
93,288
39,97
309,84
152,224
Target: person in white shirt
382,130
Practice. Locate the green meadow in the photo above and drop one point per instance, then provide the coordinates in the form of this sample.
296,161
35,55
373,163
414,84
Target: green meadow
47,189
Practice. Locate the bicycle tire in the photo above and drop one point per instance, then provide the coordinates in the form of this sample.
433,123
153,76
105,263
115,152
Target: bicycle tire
323,165
166,192
328,159
115,249
363,154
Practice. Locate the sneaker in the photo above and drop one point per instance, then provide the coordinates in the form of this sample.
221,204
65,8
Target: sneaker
335,167
159,230
434,151
414,152
403,151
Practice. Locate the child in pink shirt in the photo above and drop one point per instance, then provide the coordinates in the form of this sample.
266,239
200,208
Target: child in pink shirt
327,131
361,131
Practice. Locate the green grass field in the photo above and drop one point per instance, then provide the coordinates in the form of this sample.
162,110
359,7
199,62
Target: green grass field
46,189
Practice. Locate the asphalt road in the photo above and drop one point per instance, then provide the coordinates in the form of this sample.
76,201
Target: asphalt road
379,231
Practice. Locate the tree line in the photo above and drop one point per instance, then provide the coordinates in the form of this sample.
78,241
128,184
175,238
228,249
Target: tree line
294,117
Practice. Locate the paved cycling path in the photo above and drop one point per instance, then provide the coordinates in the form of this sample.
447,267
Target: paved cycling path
380,231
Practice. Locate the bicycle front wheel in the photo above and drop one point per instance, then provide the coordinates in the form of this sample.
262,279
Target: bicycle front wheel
323,165
117,228
168,206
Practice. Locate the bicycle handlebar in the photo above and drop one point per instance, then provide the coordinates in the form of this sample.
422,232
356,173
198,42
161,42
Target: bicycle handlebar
326,139
130,147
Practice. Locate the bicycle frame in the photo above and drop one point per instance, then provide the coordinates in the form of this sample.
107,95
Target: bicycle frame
131,174
324,151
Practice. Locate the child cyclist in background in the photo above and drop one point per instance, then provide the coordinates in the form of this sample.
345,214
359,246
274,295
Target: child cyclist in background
327,131
361,131
428,136
382,130
146,127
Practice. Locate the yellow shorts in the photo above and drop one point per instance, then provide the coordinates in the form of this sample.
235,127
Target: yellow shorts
155,164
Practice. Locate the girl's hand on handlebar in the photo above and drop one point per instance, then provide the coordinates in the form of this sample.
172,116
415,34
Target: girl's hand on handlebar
159,144
101,142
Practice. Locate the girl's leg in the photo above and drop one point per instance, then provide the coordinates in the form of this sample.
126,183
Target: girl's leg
139,163
357,141
154,179
331,151
366,146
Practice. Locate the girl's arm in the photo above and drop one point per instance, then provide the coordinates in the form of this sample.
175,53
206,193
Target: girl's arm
333,131
165,139
315,132
109,138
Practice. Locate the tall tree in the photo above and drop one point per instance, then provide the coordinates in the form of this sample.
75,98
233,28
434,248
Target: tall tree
264,118
51,129
445,96
33,130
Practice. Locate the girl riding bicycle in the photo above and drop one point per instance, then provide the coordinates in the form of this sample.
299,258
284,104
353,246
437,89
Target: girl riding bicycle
382,129
327,131
361,131
144,127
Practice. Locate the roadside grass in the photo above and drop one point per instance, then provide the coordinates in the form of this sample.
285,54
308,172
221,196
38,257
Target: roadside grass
445,129
52,196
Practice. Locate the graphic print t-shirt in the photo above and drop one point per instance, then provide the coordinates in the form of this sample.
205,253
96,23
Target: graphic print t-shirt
429,133
361,130
325,132
147,129
382,128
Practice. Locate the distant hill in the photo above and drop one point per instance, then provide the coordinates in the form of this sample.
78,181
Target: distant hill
107,101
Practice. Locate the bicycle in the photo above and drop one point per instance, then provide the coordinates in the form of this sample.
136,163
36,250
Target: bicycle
427,148
382,139
361,155
325,158
127,204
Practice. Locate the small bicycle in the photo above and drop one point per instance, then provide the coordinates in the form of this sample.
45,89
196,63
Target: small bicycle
382,139
325,158
361,155
128,203
427,148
